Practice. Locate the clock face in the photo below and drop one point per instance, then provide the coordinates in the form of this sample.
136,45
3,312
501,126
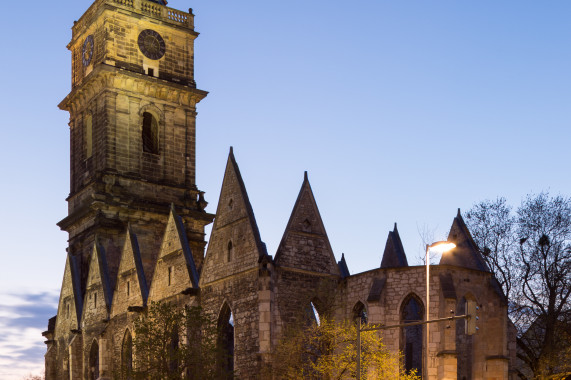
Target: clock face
151,44
87,51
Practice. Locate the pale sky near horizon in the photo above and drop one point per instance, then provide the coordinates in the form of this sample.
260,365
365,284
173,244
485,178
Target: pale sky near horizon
378,100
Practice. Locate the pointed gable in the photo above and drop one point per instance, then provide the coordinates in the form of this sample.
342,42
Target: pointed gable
98,290
394,256
175,271
70,303
305,244
131,286
466,254
343,268
235,243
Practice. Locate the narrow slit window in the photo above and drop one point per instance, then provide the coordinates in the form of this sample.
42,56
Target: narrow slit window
88,136
128,288
95,300
169,276
150,133
229,253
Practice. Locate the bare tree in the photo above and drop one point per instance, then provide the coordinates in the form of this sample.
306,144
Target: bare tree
34,377
529,251
426,235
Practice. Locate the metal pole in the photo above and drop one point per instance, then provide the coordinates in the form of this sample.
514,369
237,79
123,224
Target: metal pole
385,327
359,349
427,306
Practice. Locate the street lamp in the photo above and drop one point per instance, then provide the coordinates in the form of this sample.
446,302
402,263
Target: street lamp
438,247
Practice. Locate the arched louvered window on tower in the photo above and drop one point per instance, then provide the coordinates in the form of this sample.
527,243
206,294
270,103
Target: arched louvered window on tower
150,133
412,336
94,361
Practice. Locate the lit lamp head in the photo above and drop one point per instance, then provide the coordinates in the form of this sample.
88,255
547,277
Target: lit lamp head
440,246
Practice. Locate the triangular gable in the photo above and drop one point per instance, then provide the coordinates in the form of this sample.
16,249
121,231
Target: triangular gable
175,270
235,243
305,244
466,254
98,290
183,241
394,256
70,303
131,285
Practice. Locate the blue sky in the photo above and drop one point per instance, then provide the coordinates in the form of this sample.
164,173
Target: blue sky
379,101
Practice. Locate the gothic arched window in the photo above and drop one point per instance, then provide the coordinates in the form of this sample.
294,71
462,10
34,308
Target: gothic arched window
174,351
127,356
226,342
464,342
150,133
360,311
312,314
411,336
94,361
315,314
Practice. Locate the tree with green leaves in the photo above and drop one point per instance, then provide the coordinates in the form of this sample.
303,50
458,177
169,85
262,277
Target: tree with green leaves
327,351
529,252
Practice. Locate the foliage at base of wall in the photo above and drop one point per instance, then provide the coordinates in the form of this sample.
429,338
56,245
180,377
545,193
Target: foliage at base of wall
327,350
172,343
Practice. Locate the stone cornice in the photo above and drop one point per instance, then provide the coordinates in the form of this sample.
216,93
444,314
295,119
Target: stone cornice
230,277
139,8
109,78
307,272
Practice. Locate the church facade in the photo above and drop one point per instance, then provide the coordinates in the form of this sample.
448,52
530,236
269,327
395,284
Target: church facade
136,224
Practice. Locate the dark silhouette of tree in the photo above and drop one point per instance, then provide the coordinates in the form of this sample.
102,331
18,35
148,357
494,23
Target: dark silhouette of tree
172,343
529,251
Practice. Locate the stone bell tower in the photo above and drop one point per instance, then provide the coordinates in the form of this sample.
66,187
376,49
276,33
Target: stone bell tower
133,129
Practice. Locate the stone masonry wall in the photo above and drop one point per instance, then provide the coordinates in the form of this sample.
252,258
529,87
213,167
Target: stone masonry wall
490,340
240,292
115,39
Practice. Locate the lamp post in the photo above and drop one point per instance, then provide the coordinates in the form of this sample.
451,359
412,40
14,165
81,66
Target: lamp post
439,247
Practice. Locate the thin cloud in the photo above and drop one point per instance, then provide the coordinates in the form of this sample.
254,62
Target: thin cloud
23,318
